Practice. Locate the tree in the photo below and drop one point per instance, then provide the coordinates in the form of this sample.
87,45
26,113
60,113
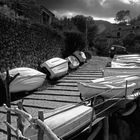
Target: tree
80,22
135,20
129,42
87,26
73,41
27,8
56,24
68,25
92,31
122,16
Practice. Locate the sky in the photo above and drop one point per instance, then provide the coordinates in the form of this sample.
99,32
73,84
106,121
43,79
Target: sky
98,9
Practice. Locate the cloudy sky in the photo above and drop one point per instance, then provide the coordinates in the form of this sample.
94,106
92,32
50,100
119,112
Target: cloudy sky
98,9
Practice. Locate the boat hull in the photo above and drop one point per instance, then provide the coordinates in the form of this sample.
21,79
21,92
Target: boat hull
116,64
57,67
27,80
126,61
127,56
91,90
73,62
80,56
110,87
65,123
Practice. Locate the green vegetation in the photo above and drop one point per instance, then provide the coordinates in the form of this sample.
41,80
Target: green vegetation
122,16
24,42
27,45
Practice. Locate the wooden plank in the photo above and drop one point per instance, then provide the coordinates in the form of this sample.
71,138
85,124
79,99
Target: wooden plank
55,98
73,81
33,108
57,110
80,78
57,92
40,131
88,70
67,84
45,103
84,75
64,88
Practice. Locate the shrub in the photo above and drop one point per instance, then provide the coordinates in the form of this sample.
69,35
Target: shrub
27,45
73,41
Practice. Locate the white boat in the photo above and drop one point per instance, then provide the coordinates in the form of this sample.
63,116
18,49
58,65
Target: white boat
127,56
83,55
66,122
80,56
56,67
124,61
28,79
73,62
123,65
110,87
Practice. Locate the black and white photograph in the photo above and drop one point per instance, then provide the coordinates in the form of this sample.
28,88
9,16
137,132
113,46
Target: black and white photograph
69,69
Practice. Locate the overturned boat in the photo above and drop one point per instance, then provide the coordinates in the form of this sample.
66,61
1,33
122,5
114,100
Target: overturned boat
66,122
80,56
127,57
28,79
123,65
73,62
55,67
110,87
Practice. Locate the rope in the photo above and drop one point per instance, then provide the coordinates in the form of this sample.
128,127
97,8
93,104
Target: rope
108,99
104,92
108,107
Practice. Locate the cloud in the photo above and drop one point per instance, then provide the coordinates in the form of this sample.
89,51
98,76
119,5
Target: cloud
95,8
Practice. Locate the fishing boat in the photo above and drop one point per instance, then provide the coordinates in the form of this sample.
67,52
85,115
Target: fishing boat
127,56
83,55
55,67
80,56
28,79
123,65
73,62
65,122
110,87
123,61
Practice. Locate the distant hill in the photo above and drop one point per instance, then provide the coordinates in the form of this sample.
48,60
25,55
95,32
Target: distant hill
103,26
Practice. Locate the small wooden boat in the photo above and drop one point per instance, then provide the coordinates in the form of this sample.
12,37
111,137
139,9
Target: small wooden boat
110,87
83,55
122,64
123,61
28,79
66,122
80,56
73,62
56,67
127,56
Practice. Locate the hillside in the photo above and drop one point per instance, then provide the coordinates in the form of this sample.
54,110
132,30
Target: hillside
27,45
103,26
